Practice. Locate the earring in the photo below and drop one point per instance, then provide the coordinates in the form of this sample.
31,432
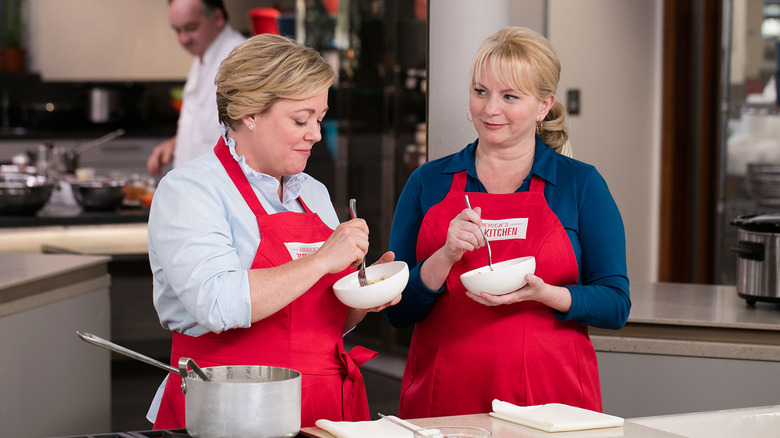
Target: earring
468,115
251,127
539,128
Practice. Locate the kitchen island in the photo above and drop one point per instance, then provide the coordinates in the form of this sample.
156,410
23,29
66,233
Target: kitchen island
52,382
689,348
685,348
759,422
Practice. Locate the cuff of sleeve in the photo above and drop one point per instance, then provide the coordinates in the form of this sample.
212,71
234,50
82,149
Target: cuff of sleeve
575,306
416,283
235,310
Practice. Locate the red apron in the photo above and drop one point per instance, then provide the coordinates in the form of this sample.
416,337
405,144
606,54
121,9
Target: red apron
305,336
463,354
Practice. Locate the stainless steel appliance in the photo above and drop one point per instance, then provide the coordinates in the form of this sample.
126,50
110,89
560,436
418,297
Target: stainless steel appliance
758,256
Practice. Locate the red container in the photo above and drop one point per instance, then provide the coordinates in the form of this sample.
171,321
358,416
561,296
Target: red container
264,20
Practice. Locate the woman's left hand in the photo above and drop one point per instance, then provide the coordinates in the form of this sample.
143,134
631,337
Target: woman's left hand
559,298
387,257
354,316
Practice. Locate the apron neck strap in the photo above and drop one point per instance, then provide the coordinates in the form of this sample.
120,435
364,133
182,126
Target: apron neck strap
537,184
239,179
459,182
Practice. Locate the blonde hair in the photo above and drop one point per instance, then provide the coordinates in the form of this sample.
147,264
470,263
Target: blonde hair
264,69
525,61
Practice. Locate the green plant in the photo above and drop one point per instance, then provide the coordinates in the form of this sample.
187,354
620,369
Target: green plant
13,26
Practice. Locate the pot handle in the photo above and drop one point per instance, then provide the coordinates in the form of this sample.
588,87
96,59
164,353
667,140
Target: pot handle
749,250
184,361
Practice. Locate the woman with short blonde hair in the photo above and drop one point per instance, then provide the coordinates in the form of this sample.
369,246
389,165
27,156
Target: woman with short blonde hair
245,246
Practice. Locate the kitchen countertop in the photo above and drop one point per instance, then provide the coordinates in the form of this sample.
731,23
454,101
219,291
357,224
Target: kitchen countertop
32,280
694,320
105,239
758,422
506,429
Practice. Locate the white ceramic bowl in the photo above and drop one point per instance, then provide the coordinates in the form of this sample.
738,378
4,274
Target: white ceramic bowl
378,291
507,276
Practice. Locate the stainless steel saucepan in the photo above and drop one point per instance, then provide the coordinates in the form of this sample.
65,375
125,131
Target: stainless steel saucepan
231,401
71,157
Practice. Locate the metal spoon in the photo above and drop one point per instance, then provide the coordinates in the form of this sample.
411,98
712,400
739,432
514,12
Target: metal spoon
417,430
108,345
362,270
398,421
490,254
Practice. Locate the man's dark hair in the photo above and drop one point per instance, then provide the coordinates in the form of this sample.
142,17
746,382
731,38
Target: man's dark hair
211,5
216,4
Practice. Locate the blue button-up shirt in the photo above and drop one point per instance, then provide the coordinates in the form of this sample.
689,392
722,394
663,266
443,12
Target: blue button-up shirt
578,196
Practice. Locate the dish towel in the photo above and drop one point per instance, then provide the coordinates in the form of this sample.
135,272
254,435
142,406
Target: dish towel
381,428
554,417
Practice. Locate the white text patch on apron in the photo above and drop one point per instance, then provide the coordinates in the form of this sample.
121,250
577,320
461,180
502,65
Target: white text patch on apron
505,229
300,250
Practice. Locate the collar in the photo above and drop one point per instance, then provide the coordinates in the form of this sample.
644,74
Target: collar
213,50
267,184
545,163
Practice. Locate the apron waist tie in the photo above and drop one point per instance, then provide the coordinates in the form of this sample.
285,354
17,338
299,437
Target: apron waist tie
353,392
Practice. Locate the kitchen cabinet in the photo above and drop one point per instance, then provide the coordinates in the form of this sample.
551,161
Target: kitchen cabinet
52,382
134,321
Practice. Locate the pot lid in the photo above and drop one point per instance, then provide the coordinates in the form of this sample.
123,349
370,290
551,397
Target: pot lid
763,223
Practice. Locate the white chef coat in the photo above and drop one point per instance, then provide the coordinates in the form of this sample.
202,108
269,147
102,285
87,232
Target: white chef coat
198,128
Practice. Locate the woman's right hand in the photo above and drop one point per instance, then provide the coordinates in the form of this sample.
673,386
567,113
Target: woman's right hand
347,246
463,234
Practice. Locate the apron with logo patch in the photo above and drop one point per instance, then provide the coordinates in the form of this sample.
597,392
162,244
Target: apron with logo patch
464,354
305,336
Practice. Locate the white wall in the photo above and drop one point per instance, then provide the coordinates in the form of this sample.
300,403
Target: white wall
611,51
454,37
99,40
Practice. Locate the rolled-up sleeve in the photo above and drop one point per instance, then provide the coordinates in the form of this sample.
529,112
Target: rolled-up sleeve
200,281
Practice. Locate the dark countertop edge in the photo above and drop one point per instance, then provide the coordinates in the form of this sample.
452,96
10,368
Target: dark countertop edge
124,216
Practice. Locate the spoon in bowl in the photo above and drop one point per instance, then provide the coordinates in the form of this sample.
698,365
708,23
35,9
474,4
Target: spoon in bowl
362,270
490,254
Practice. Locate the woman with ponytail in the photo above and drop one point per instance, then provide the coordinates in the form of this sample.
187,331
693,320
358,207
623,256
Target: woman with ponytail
530,346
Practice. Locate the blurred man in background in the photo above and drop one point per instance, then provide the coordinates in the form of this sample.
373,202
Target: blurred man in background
202,28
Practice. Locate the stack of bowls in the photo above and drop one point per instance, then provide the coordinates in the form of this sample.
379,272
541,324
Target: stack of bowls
762,182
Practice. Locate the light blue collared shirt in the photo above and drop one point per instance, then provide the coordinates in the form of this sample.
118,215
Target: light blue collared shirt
203,238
